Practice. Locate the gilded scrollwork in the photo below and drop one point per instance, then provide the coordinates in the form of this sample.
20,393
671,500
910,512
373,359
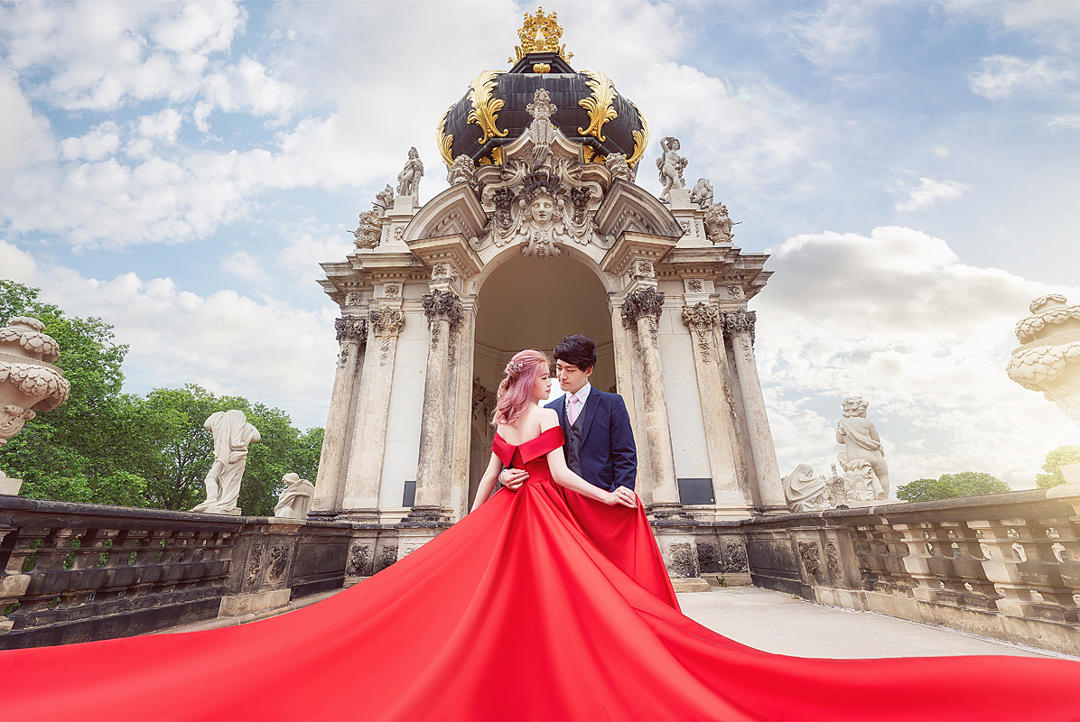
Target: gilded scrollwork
641,139
444,140
600,105
486,107
540,34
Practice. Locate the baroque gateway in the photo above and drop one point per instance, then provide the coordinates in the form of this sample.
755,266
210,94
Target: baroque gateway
542,232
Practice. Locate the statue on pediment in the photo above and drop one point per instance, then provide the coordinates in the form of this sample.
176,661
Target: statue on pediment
671,166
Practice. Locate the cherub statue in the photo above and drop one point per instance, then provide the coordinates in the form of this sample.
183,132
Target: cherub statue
409,177
702,193
862,447
463,170
671,166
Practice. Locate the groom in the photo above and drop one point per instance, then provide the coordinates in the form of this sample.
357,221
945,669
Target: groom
599,439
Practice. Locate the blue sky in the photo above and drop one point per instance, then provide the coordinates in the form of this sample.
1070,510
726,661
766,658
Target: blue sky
180,169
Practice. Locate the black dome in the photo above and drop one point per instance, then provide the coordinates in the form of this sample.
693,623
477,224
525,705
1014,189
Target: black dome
496,102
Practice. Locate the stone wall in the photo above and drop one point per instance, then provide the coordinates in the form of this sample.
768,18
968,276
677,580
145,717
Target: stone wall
1005,565
82,572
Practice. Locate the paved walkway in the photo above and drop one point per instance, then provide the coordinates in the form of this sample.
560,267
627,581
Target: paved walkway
781,623
778,622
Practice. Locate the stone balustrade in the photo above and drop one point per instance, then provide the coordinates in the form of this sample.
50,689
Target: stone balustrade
81,572
1005,565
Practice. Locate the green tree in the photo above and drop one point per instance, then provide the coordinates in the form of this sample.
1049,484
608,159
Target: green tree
1059,457
948,486
106,447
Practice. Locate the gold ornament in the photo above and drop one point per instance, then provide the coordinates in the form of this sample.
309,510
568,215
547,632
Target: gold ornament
541,68
599,104
540,34
641,139
485,111
444,140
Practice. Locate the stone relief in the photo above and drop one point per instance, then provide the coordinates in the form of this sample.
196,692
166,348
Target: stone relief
540,202
863,457
810,554
832,561
359,561
463,171
718,225
440,305
392,290
279,562
384,199
354,298
12,419
294,501
695,285
619,168
701,319
409,177
386,322
483,402
734,556
369,230
702,193
671,166
232,436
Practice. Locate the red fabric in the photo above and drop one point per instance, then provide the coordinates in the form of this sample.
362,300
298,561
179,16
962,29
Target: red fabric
526,609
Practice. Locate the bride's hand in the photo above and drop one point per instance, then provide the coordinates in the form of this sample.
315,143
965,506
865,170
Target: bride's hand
622,496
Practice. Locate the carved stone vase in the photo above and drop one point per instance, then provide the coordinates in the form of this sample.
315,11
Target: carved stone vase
1049,359
29,383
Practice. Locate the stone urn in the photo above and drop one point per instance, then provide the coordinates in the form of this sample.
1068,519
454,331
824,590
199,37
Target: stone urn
1049,358
29,383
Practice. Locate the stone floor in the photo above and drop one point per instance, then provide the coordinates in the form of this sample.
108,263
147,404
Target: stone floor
781,623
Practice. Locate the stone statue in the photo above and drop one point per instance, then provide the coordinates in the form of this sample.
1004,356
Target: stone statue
541,129
1048,359
410,175
616,163
463,171
369,231
671,166
29,383
294,501
539,225
863,456
718,225
702,194
384,199
805,491
232,435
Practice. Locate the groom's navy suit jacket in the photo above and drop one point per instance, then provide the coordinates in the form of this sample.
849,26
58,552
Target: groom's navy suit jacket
608,454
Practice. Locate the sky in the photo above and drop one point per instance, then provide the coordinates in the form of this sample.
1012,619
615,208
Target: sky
179,170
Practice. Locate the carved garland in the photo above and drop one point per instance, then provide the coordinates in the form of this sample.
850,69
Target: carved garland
701,320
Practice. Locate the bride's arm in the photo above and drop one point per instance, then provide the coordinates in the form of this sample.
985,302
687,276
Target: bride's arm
487,481
564,476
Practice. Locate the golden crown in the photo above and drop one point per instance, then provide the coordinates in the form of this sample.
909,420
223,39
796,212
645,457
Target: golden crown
540,33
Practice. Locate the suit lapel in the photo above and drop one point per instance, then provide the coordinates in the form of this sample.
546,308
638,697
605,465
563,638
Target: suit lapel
587,414
559,405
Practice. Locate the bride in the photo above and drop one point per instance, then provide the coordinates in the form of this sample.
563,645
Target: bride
550,602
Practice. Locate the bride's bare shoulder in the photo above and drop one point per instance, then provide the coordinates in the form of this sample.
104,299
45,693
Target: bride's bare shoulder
547,418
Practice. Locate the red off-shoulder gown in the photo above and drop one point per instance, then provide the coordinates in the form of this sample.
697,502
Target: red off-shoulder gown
540,605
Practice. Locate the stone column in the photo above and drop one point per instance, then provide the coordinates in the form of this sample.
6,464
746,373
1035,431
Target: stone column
739,325
329,486
702,320
369,441
459,438
642,309
443,310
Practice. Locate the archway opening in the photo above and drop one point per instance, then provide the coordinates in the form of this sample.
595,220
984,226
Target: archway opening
532,303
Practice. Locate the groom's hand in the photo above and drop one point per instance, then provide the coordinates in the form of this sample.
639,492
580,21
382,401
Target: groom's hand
512,479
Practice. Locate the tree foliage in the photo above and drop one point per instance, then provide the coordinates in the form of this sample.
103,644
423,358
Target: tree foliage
1059,457
106,447
949,486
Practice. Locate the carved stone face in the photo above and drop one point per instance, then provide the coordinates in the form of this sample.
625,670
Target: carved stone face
542,209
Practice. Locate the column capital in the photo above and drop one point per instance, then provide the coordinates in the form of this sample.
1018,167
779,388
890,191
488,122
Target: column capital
643,302
386,322
351,329
700,316
740,321
441,304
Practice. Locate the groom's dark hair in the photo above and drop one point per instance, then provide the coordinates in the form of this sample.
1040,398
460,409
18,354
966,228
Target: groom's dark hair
577,350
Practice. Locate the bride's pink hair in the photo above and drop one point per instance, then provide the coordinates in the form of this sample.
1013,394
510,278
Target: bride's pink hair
515,390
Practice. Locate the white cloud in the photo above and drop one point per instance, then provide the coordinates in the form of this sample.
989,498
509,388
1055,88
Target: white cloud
1000,76
246,266
226,342
838,32
163,125
302,255
930,192
897,318
1053,22
246,86
1064,122
27,136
